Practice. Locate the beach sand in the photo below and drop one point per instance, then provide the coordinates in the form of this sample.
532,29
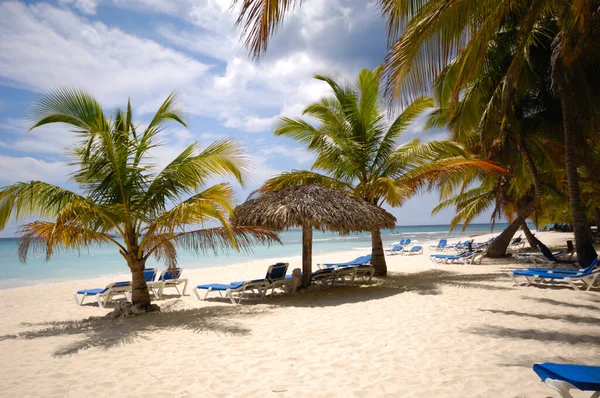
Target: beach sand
427,330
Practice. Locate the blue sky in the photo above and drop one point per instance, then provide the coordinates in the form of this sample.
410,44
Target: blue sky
144,49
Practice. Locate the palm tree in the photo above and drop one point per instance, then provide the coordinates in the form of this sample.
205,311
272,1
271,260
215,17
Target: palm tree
124,201
357,152
479,118
435,31
440,29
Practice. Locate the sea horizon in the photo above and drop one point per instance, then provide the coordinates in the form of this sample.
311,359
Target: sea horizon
99,261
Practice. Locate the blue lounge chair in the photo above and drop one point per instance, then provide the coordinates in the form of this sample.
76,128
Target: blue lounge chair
413,250
517,243
590,267
440,246
469,257
407,242
361,260
589,276
360,267
565,377
460,245
105,295
235,290
168,279
396,249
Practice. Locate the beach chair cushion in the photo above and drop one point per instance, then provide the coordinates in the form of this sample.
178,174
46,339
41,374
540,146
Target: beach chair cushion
220,286
93,292
585,378
361,260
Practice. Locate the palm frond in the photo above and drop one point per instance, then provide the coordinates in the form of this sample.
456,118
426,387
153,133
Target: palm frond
222,240
48,237
260,19
303,177
34,198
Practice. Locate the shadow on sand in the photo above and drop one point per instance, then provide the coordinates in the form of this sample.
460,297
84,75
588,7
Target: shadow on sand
105,333
426,283
536,334
590,320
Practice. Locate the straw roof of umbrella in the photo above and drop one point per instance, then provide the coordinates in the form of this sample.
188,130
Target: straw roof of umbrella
312,205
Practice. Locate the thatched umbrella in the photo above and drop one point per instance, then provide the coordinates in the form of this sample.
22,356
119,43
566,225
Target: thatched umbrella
311,206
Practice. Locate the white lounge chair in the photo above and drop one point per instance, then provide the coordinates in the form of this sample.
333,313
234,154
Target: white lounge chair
167,279
236,291
103,295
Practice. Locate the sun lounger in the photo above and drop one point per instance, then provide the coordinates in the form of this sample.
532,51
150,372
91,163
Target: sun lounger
589,276
167,279
105,295
235,291
565,377
440,246
413,250
332,276
361,267
517,243
466,257
460,245
396,249
361,260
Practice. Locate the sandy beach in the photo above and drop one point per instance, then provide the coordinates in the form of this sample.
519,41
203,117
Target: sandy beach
427,330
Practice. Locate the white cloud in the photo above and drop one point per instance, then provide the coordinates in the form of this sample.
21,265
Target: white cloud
299,155
29,169
46,139
42,46
85,6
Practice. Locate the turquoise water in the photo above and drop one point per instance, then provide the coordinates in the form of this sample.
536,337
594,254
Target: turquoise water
105,260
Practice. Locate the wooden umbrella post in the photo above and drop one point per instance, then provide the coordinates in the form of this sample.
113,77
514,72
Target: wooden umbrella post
307,234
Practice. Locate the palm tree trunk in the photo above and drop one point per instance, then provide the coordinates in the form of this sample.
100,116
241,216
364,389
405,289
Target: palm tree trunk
531,239
140,297
377,254
498,247
307,233
583,234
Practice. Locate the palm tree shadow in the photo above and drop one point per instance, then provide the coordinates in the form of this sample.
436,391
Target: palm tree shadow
536,334
427,283
106,333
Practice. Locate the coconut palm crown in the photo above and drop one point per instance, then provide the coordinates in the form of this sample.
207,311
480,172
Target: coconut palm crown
357,151
125,200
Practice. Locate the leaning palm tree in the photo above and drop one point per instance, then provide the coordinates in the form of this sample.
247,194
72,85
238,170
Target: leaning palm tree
357,151
125,201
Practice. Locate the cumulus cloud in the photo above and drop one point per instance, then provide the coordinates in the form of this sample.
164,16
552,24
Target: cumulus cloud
42,46
31,169
85,6
51,139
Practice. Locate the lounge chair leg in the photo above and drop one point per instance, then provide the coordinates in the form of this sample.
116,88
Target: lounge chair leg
572,283
185,284
230,295
76,297
561,386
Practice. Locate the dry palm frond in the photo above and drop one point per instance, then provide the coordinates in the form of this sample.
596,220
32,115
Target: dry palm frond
312,205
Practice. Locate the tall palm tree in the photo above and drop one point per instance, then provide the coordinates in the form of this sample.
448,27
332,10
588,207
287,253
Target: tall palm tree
357,151
125,201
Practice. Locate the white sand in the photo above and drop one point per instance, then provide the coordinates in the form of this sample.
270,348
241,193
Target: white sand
425,331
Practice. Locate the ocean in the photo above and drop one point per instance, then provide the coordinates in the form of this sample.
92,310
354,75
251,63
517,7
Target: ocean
105,260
